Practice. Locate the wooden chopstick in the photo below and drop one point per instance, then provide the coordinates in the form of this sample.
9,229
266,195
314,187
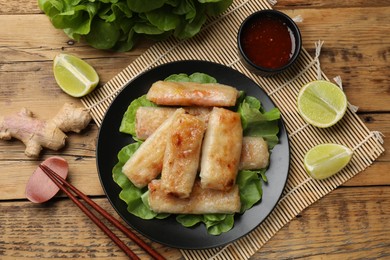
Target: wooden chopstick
62,184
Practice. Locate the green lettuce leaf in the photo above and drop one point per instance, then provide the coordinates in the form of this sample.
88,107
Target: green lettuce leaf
125,20
189,220
217,7
189,28
256,122
147,28
216,224
164,20
142,6
103,35
249,185
185,8
195,77
128,121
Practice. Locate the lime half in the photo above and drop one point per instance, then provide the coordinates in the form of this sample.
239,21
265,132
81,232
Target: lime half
321,103
74,76
324,160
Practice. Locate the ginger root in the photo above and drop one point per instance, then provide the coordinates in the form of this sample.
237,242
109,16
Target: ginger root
36,134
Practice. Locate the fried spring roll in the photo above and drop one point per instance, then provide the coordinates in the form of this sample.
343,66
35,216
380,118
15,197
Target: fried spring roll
181,158
148,119
254,154
192,94
146,163
201,201
221,150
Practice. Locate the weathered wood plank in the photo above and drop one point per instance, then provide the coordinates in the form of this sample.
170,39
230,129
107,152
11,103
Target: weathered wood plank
379,122
376,174
59,229
19,44
319,4
349,223
15,7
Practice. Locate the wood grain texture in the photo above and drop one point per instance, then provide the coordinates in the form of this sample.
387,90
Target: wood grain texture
350,223
59,229
318,4
378,173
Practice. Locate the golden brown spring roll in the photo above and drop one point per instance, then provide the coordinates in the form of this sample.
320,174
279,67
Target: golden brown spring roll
181,158
146,163
221,150
254,154
201,201
192,94
148,119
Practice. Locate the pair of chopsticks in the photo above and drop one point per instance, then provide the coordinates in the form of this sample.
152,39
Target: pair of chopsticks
63,185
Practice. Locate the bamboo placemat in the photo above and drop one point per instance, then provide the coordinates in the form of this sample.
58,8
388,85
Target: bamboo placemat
217,42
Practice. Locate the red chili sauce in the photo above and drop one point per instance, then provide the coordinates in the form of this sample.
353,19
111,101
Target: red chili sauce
268,42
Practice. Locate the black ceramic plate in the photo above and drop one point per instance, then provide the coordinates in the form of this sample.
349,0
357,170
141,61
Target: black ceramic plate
168,231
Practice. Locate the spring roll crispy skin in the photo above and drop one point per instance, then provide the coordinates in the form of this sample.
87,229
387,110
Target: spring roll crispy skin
148,119
181,158
192,94
254,154
201,201
221,150
146,163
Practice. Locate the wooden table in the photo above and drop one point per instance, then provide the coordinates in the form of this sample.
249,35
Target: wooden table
351,222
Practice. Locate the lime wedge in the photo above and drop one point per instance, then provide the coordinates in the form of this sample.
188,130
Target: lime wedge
74,76
325,160
321,103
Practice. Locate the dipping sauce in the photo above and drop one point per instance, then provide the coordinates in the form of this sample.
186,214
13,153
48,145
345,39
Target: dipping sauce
268,42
